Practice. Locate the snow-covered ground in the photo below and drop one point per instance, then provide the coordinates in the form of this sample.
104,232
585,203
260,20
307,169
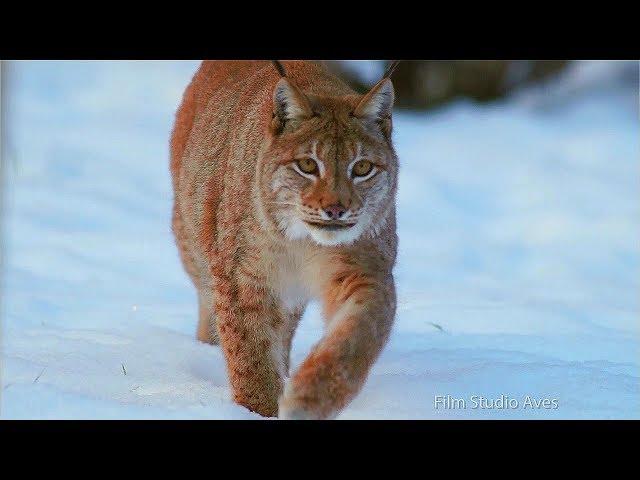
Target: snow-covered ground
518,272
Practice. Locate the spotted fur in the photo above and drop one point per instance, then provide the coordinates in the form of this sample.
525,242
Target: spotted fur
260,238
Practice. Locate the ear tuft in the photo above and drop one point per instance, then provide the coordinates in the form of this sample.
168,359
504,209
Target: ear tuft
289,103
378,103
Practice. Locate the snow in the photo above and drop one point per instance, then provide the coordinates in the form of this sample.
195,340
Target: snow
518,269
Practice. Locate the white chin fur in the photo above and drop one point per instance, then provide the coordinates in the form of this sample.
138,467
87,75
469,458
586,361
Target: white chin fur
335,237
296,229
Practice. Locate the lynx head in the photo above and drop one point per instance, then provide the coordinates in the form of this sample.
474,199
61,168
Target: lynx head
329,170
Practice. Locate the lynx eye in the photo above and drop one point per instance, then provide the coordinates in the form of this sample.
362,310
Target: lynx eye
362,168
307,165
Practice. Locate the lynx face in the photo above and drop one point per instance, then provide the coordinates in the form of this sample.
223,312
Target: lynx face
330,170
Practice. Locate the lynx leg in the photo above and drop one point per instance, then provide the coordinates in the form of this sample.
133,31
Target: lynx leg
292,324
250,325
360,313
207,331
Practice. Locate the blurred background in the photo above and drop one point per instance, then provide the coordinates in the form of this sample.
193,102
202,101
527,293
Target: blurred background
429,83
518,217
425,84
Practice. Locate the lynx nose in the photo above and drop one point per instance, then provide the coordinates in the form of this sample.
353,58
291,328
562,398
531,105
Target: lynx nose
335,211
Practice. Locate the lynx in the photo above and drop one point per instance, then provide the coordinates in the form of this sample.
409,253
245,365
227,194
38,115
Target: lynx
285,182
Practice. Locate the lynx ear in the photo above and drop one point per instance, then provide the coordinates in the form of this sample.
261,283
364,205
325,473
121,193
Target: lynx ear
377,106
289,103
378,103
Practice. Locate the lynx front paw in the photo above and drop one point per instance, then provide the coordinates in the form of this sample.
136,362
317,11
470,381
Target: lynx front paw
307,401
287,413
294,407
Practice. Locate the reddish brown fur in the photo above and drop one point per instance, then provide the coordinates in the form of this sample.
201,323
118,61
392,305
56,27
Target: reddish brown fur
228,149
